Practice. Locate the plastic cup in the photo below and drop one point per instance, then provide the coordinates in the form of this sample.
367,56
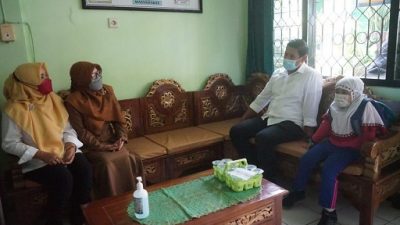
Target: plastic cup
224,161
251,167
216,162
258,177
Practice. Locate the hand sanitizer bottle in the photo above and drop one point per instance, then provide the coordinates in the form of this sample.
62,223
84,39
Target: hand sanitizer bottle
141,199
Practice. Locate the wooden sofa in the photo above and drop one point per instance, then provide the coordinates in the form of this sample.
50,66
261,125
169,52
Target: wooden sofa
24,200
167,111
366,183
162,134
162,137
173,132
162,126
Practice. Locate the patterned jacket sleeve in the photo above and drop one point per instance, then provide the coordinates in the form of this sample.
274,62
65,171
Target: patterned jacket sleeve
88,138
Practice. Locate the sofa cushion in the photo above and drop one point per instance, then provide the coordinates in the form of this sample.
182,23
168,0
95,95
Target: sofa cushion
185,139
145,148
299,148
221,127
354,169
293,148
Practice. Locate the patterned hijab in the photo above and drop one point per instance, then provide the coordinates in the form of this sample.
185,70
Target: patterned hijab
43,117
98,107
341,117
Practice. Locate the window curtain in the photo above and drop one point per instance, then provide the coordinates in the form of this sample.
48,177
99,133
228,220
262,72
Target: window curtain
260,50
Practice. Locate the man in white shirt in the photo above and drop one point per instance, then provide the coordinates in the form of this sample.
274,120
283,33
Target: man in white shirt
292,95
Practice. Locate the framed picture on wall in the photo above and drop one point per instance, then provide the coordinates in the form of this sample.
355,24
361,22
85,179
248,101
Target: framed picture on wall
189,6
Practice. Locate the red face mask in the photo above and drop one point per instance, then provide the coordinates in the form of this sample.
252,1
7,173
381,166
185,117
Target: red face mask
45,87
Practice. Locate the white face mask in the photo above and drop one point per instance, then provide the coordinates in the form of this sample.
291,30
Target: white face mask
342,100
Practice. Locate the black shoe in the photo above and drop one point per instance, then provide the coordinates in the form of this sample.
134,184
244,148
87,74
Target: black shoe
328,218
293,197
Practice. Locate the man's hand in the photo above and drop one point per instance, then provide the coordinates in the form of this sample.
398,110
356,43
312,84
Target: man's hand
47,157
248,114
69,155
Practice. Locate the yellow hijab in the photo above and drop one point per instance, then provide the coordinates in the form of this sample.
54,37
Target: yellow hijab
43,117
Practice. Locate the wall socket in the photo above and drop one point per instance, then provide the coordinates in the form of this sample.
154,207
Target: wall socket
7,32
113,23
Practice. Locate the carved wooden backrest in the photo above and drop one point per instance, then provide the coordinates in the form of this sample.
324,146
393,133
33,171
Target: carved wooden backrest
255,84
219,100
131,112
166,106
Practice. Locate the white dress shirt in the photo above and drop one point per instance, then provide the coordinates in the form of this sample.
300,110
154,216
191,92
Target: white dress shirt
293,97
17,142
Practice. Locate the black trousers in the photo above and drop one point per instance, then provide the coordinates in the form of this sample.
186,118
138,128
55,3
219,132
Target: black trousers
65,183
266,138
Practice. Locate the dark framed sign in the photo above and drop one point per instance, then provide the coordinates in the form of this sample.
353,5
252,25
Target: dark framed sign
191,6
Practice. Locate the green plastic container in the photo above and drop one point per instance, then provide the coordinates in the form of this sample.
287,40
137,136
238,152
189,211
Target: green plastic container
220,166
226,169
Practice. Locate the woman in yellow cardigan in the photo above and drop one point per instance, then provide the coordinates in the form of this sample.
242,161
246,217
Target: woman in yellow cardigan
35,128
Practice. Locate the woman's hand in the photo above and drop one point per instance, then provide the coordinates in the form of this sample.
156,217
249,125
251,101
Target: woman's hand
108,147
69,155
120,143
47,157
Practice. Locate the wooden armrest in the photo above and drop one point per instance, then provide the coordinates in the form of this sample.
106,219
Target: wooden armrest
374,148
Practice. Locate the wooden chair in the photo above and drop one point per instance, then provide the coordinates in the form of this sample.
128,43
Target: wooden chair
380,177
23,200
367,183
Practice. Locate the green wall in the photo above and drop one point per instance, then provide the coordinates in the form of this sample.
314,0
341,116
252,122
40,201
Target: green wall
187,47
14,53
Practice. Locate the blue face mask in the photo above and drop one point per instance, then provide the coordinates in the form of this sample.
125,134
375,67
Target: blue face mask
289,64
96,84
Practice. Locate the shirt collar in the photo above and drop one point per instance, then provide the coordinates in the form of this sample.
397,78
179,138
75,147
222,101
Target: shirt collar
302,68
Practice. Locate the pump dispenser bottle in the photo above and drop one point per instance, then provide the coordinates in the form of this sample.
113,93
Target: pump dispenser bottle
141,199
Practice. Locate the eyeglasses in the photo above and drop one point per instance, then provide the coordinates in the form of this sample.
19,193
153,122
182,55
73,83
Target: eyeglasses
96,75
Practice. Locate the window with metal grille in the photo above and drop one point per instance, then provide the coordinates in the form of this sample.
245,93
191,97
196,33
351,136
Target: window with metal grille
345,37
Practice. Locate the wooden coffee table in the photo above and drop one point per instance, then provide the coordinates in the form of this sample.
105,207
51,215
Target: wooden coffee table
264,209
